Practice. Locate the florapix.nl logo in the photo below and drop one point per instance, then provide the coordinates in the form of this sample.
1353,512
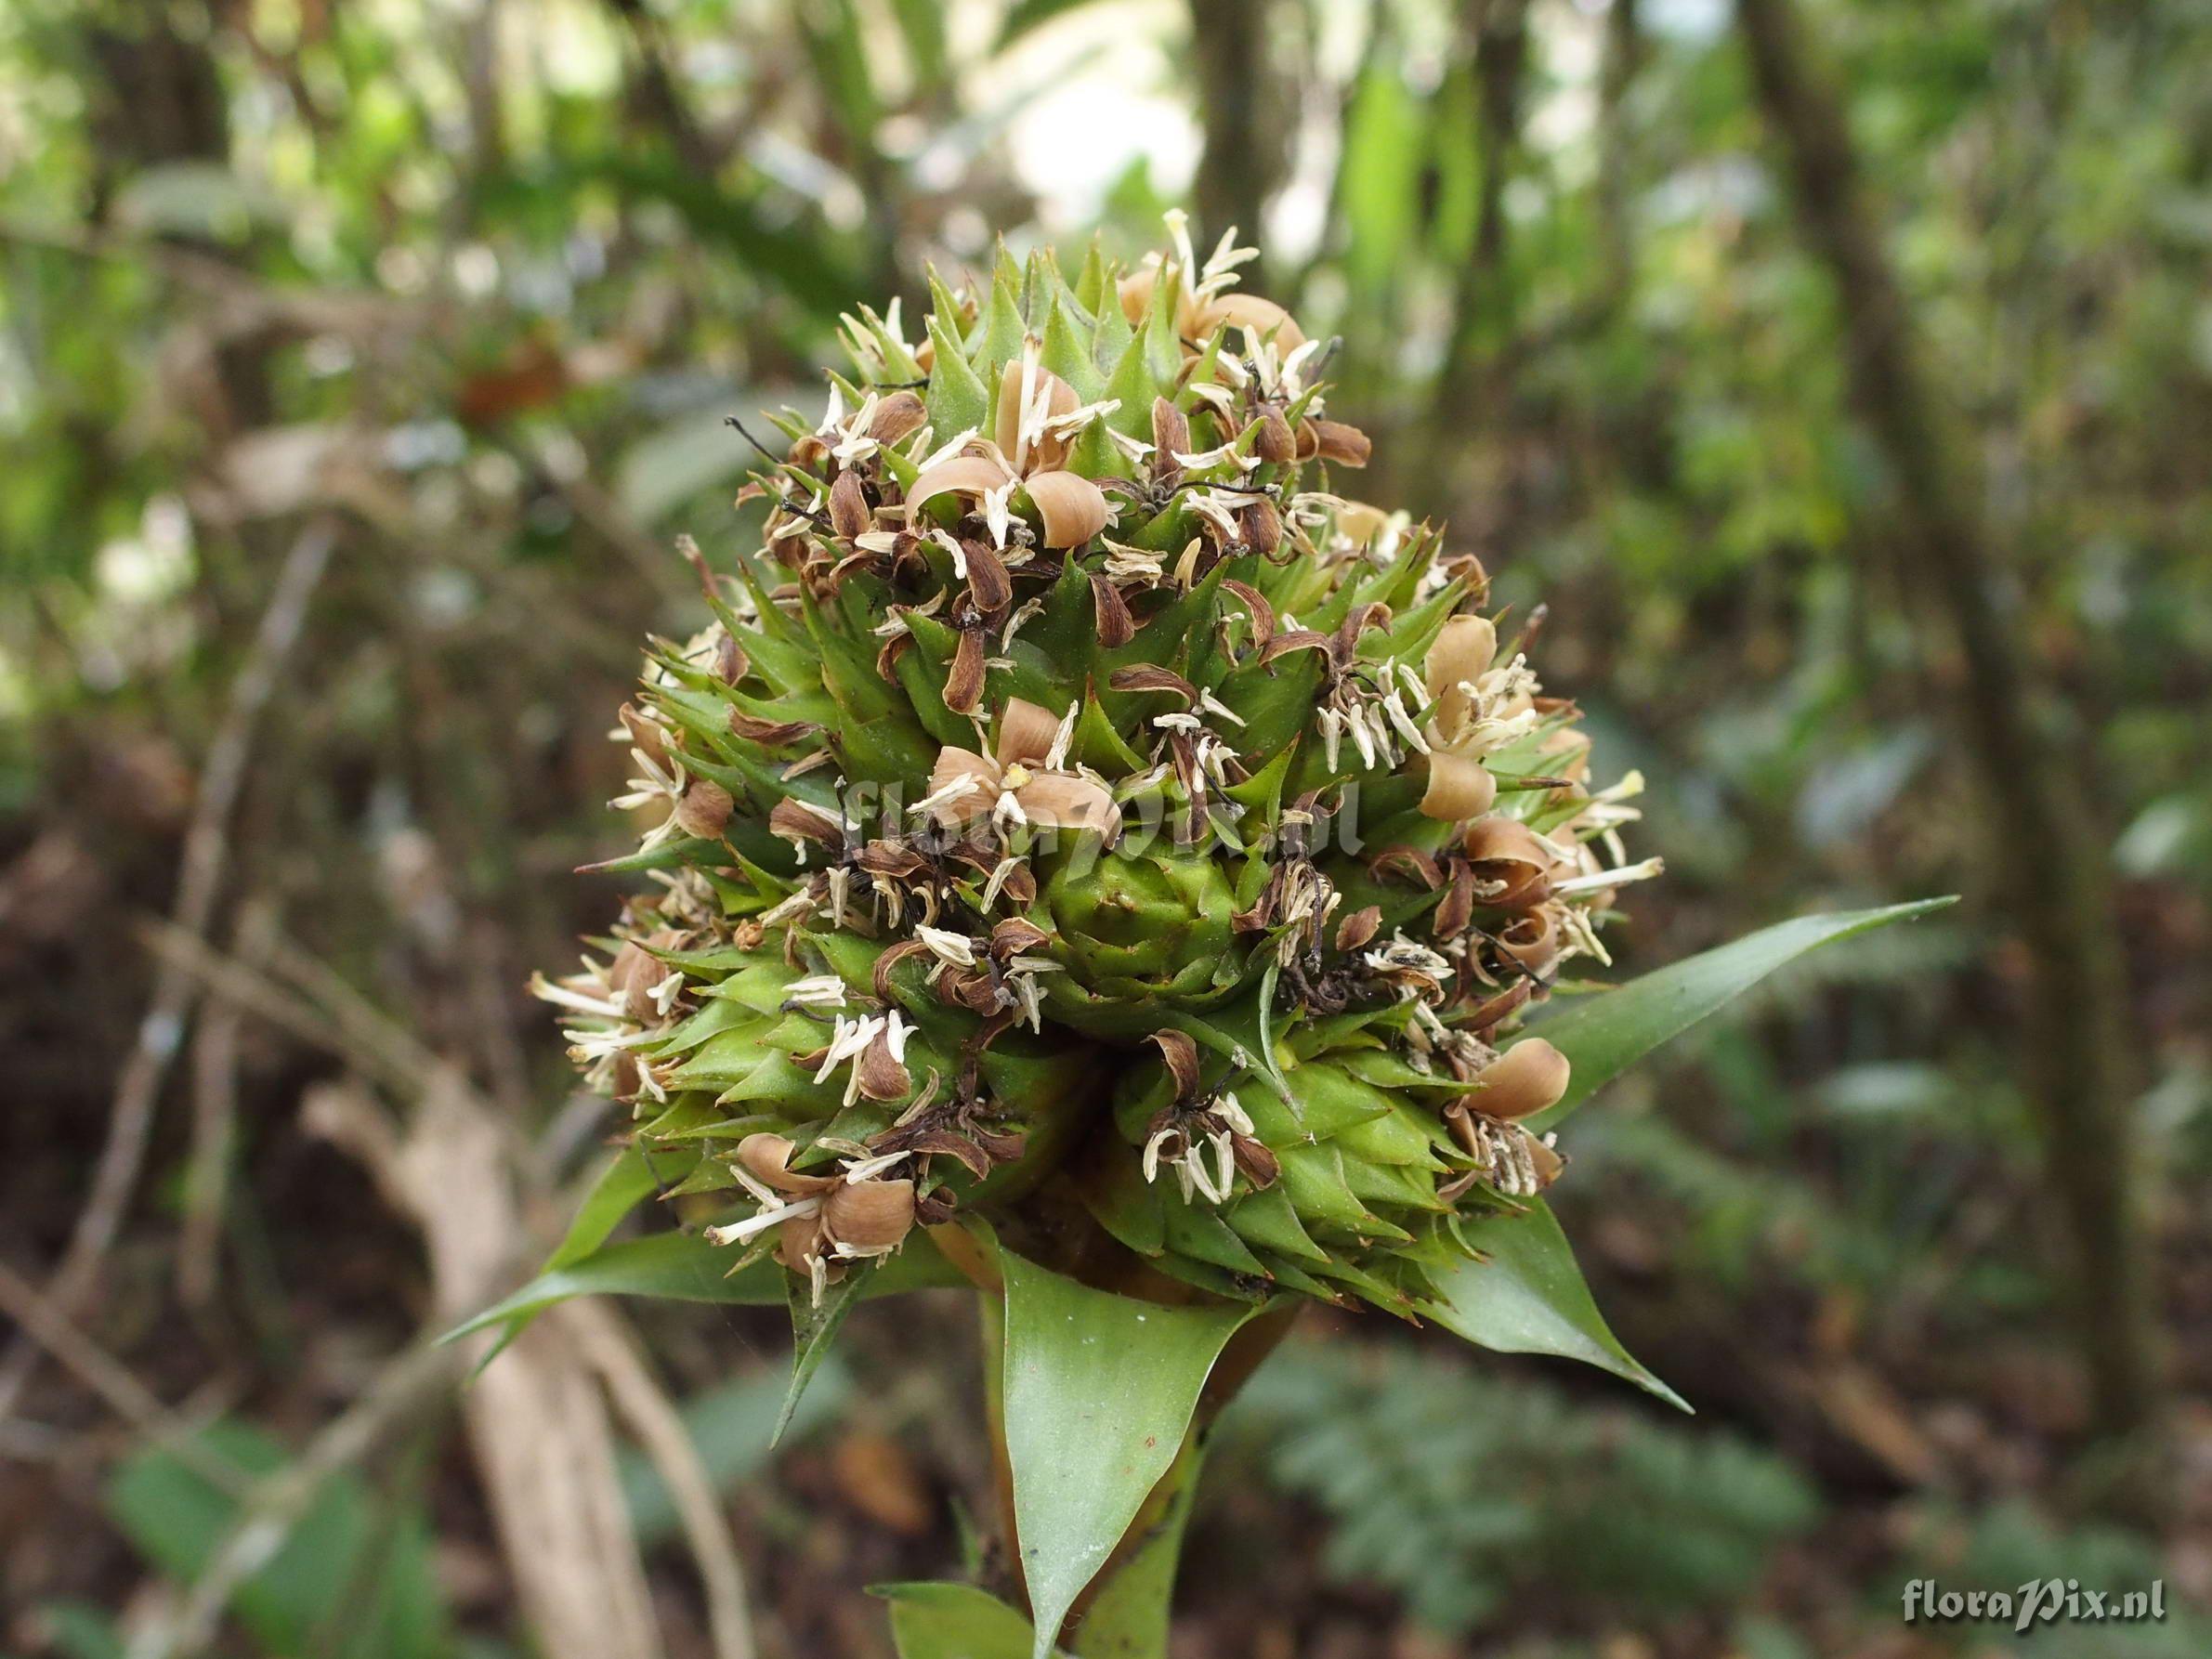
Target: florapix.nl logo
2039,1601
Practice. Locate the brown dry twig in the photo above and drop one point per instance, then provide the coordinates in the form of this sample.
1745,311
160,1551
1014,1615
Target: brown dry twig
200,880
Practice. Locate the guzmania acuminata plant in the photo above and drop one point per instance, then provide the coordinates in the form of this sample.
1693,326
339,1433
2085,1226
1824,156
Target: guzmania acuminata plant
1096,857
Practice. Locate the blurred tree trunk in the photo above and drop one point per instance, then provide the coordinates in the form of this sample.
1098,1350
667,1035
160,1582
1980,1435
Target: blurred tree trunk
1616,70
2048,863
1495,35
1240,107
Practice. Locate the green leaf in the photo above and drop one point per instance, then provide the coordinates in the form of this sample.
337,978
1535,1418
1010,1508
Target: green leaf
1129,1620
353,1578
957,400
1602,1036
685,1267
813,1327
1099,1390
1527,1296
626,1181
953,1621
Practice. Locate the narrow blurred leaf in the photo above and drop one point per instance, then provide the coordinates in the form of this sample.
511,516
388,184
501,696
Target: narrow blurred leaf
1026,15
1602,1036
814,1328
685,1267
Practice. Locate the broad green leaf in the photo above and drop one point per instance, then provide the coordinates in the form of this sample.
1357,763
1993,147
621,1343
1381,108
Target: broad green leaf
1602,1036
953,1621
1099,1390
1527,1296
685,1267
1129,1620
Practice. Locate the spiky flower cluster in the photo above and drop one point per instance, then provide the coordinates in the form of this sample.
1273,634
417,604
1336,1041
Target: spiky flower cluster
1082,814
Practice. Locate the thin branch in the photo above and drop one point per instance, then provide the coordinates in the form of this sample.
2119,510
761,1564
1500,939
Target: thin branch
609,1348
200,880
106,1376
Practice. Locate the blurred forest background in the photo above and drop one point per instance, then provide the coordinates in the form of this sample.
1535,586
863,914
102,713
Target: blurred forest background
1839,374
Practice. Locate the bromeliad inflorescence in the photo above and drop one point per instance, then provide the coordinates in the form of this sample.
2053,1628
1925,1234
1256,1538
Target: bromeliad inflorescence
1082,806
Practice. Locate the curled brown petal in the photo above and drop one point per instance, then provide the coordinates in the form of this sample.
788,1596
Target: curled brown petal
988,582
970,988
1073,509
1026,732
1298,639
1263,527
799,1241
1065,801
849,506
870,1216
1275,444
1347,446
1486,1014
1464,648
1458,788
964,474
897,417
1357,621
1512,863
1049,450
1525,1079
774,733
1148,676
704,809
1263,612
1171,438
648,734
1359,927
882,1076
1458,909
1260,1165
794,821
1263,317
1116,626
954,763
905,950
971,1157
1532,940
636,973
1181,1055
767,1159
1408,861
1014,935
887,660
963,679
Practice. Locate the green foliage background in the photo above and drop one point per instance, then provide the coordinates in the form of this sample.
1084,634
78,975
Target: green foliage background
472,285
